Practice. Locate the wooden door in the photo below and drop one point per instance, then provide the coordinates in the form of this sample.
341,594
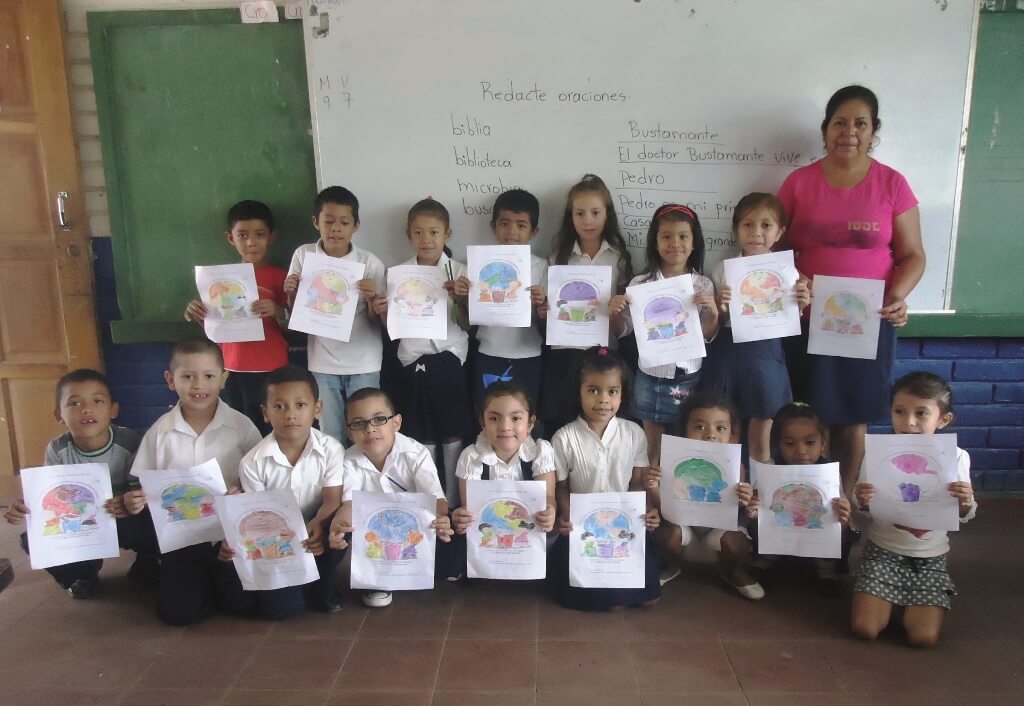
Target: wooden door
47,315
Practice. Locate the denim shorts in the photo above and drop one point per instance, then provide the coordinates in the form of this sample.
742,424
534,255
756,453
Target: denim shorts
658,399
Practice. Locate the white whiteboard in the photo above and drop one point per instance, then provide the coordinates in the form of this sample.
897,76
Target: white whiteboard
406,94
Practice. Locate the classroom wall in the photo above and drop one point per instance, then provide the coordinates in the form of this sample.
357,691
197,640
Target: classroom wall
987,374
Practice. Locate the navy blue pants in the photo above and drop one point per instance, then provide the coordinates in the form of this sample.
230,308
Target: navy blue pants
244,392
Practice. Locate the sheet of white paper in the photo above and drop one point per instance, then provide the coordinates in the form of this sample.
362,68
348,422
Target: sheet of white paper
257,11
67,521
229,291
911,474
417,302
266,531
607,543
578,297
327,299
844,317
392,541
763,303
666,321
181,504
698,482
500,279
504,541
796,517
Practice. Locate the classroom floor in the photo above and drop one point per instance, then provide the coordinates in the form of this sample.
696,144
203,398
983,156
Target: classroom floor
700,645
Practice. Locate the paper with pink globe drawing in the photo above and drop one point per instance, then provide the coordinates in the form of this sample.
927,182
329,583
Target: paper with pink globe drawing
328,297
763,303
911,474
795,516
228,292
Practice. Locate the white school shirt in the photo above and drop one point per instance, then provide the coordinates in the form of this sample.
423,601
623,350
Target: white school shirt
172,444
516,343
701,285
535,451
599,465
408,468
412,349
321,465
364,349
606,255
930,544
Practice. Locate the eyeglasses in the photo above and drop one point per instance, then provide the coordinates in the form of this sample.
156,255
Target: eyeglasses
378,421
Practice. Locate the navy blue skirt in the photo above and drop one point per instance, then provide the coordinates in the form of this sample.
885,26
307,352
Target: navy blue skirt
752,374
599,599
843,390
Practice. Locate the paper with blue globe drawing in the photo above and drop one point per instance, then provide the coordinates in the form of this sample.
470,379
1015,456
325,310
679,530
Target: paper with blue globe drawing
499,292
266,530
228,292
328,297
504,541
181,503
763,303
578,299
666,321
698,482
844,316
795,516
607,542
392,541
911,474
67,521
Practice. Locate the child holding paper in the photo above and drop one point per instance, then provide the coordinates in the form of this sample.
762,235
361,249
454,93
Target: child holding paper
384,460
904,566
752,374
340,367
251,232
85,406
433,380
199,428
600,452
297,457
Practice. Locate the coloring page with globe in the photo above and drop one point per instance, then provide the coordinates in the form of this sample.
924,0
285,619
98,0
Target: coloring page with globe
911,474
763,303
67,521
181,504
417,302
499,292
327,298
698,482
392,541
229,291
608,540
795,516
504,541
844,316
666,321
578,298
266,531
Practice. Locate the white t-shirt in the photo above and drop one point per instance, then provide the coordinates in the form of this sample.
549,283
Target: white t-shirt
172,444
526,342
363,351
535,451
701,285
411,349
606,255
408,468
321,465
900,541
599,465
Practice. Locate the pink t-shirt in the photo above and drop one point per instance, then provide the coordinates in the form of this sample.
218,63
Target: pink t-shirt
844,232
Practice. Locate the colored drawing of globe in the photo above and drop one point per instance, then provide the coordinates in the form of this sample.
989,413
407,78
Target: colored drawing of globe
846,305
263,523
228,299
577,291
226,288
187,501
505,515
607,524
70,507
393,525
329,282
498,274
761,292
798,505
415,289
699,480
919,476
663,310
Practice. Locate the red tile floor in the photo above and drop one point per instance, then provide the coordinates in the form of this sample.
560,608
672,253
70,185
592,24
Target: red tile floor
506,643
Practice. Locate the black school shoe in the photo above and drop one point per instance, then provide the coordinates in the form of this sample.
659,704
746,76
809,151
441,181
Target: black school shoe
84,588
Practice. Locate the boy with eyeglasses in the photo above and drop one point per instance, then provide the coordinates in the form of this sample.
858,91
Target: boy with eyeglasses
383,460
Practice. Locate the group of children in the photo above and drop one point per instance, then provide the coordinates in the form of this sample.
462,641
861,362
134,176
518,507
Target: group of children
583,395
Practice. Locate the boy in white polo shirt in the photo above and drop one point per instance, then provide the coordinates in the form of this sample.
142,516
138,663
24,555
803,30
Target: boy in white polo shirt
309,463
200,427
384,460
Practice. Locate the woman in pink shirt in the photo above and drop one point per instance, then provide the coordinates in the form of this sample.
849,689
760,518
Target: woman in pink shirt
851,216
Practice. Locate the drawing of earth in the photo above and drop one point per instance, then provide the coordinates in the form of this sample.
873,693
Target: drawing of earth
607,534
699,480
845,313
505,524
393,534
924,472
664,318
798,505
498,274
70,508
266,535
228,299
577,301
415,297
328,292
761,293
187,501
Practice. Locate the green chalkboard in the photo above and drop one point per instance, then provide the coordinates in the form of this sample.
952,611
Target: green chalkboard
196,111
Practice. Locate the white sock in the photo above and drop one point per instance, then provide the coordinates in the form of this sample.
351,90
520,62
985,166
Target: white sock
451,451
